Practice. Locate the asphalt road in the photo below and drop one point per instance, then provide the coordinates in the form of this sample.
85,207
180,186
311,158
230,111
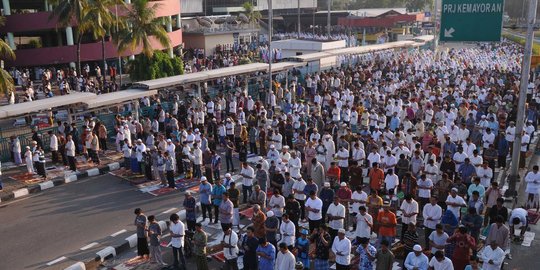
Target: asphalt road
53,224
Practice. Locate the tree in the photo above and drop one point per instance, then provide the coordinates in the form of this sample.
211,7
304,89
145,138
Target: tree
418,5
6,53
253,15
68,11
99,20
158,66
142,23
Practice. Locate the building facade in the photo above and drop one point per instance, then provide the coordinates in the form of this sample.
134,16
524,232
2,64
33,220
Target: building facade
38,40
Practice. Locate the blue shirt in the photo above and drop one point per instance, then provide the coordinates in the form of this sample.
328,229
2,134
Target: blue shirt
394,123
309,188
365,262
217,191
190,203
503,147
420,262
466,170
327,196
264,263
205,191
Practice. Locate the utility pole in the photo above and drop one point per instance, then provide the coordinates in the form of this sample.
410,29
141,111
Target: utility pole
270,31
524,82
298,19
119,55
328,25
436,25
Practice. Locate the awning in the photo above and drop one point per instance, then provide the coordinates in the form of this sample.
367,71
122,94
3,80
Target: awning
118,97
44,104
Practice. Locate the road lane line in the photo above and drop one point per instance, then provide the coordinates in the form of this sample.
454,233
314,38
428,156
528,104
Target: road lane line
168,211
89,246
118,233
56,261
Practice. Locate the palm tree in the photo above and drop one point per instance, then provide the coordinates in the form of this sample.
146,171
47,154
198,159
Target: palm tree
6,81
68,11
253,15
143,23
99,20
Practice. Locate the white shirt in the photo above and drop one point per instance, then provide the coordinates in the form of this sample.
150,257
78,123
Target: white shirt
424,193
343,158
54,143
336,211
285,261
289,229
525,140
372,158
446,264
294,166
409,208
231,239
391,181
362,227
455,209
344,247
361,196
140,148
315,204
299,185
497,256
434,212
248,175
533,183
485,175
179,229
197,156
70,148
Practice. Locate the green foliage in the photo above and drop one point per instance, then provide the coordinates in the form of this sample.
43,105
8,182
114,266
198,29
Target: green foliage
35,43
158,66
521,41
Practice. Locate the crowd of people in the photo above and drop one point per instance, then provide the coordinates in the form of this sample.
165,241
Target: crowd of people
408,140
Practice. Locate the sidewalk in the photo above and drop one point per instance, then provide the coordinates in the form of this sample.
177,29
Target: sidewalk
18,182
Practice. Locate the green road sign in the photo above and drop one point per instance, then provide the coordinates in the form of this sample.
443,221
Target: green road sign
471,20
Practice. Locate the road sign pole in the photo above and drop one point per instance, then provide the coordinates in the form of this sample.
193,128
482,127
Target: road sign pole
270,32
435,25
524,82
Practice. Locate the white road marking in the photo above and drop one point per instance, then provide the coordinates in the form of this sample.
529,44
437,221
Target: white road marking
89,246
118,233
169,210
56,261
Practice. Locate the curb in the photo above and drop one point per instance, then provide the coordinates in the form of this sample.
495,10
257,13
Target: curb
112,251
68,178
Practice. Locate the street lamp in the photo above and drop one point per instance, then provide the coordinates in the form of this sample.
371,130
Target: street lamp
270,30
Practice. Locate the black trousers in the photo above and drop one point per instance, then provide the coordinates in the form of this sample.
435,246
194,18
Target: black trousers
253,148
216,213
170,178
206,208
302,208
231,264
246,192
313,224
142,246
178,256
54,156
103,143
229,162
342,267
72,163
427,233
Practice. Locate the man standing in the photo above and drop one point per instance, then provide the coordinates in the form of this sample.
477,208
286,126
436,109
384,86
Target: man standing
234,196
199,243
190,205
267,254
205,190
248,174
416,260
177,241
249,245
336,216
70,153
432,214
493,256
387,222
230,249
287,230
53,145
154,233
342,248
314,209
285,259
226,212
142,243
217,195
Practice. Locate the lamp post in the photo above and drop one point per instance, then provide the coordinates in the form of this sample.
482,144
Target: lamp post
270,31
524,82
